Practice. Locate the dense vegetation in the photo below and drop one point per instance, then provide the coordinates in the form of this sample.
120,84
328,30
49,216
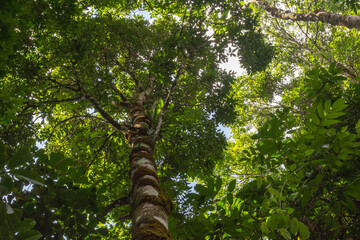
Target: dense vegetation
88,87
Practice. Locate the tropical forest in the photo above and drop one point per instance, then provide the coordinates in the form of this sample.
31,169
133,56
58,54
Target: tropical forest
179,119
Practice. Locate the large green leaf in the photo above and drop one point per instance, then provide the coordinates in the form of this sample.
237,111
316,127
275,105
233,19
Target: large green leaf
3,154
21,157
231,186
30,235
285,233
304,231
28,175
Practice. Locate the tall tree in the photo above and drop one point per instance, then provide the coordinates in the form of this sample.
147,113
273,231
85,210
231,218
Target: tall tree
82,73
89,88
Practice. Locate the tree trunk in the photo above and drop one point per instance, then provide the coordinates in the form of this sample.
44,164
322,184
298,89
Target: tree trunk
349,21
150,207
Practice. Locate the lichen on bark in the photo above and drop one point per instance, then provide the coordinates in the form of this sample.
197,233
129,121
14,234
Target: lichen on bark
150,207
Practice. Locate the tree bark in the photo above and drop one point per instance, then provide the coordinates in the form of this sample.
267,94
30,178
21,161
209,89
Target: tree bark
349,21
150,207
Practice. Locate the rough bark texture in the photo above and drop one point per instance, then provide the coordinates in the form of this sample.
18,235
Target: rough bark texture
349,21
150,206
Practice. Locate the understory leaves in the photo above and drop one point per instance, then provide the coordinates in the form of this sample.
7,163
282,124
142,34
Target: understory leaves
299,179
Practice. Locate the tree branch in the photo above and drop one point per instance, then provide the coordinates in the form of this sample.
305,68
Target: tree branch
349,21
101,147
33,104
104,114
117,203
64,86
125,217
141,99
167,100
122,96
132,75
103,144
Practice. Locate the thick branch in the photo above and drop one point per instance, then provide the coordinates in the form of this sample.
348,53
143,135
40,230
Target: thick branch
34,104
117,203
67,86
125,217
105,115
167,100
143,95
349,21
98,108
63,100
122,96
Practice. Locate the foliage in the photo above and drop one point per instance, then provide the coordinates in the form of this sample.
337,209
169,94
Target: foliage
67,68
354,5
304,181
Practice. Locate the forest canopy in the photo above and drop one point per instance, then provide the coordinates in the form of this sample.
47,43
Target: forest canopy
112,119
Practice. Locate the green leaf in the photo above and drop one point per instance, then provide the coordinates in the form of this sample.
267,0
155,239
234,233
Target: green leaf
273,191
327,106
349,203
304,231
231,186
285,233
275,220
264,228
294,226
218,184
21,157
357,127
265,206
309,152
290,210
327,123
315,118
30,235
7,183
354,191
286,220
259,182
161,104
201,189
339,105
28,175
333,69
334,114
337,78
3,154
56,157
292,167
26,225
230,198
307,195
318,179
320,110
